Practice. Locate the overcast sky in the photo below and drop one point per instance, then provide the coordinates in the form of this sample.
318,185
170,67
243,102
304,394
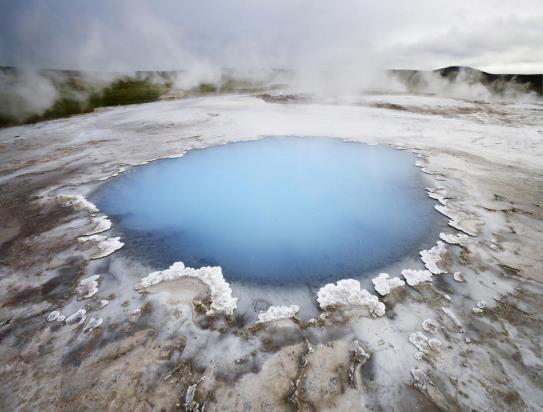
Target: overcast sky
494,35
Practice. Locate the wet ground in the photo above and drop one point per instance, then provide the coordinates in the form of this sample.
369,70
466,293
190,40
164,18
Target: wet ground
469,338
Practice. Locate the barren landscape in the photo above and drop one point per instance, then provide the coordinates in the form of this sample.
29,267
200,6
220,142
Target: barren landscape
86,326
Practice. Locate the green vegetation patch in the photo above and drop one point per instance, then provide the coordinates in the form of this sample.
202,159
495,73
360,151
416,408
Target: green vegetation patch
128,91
77,95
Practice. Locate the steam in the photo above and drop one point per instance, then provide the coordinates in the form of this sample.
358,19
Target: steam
315,46
347,39
25,93
467,84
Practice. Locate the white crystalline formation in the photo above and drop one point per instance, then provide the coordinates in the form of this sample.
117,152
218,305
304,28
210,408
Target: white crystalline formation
93,324
421,380
453,239
278,313
78,202
88,287
480,306
414,277
434,257
78,317
384,284
429,325
220,291
348,292
101,224
134,315
358,353
106,245
434,344
454,319
54,316
458,277
422,343
419,340
458,219
438,193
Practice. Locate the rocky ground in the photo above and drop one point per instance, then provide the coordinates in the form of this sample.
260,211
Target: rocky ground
76,333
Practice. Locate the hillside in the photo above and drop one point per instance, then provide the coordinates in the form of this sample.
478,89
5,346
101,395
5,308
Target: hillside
500,84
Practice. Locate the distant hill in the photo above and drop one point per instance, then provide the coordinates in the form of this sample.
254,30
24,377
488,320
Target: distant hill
496,83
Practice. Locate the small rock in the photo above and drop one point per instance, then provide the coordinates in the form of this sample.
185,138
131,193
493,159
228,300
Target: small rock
358,353
92,324
429,325
134,316
459,277
419,356
165,354
419,340
420,379
87,287
434,344
54,315
78,316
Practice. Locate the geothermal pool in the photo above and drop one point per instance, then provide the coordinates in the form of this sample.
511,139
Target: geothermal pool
276,210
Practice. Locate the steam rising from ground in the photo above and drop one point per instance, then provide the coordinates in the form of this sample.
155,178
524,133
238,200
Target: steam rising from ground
32,95
466,83
25,93
319,47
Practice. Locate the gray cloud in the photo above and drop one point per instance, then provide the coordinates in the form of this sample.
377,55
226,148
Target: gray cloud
350,36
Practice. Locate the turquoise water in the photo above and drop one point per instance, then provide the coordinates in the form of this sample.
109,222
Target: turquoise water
274,210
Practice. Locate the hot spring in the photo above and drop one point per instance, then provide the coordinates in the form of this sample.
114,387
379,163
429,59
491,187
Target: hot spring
279,210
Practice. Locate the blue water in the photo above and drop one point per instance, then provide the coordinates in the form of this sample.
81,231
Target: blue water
274,210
